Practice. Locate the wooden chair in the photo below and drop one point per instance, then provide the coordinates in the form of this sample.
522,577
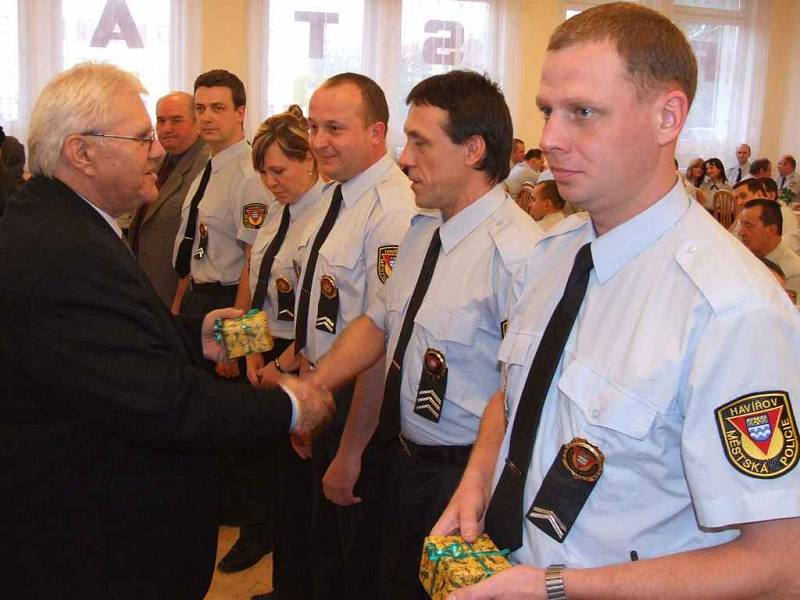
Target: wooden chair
724,208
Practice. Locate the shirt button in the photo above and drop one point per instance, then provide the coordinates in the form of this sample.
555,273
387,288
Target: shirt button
595,413
691,249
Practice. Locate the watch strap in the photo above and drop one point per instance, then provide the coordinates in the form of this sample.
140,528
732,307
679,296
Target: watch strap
554,582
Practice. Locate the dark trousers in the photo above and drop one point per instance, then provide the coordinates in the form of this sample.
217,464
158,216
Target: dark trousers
248,473
425,479
346,539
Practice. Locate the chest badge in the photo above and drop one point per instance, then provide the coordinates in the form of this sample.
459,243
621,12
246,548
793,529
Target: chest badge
328,307
202,244
432,386
759,434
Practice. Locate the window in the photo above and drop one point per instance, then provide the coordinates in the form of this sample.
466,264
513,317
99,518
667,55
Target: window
728,40
396,42
154,39
9,62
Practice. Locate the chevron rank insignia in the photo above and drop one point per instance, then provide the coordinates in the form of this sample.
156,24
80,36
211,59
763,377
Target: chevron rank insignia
432,386
759,434
328,306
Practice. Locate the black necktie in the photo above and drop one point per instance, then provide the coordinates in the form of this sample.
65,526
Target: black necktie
739,175
505,512
301,324
185,248
390,410
783,182
269,257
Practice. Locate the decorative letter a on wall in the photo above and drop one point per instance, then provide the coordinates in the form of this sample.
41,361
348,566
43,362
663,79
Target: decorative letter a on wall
116,23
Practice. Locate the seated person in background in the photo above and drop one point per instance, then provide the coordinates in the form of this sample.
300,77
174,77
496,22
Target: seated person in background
528,170
547,206
771,193
695,175
761,167
788,180
715,180
737,173
780,277
761,229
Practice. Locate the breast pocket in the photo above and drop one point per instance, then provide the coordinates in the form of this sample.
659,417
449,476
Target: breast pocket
609,413
454,335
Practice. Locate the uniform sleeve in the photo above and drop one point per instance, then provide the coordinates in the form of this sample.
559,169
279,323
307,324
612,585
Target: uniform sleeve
250,206
380,248
739,442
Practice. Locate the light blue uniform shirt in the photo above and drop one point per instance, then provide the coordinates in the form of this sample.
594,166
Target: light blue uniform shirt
377,205
484,252
305,215
679,319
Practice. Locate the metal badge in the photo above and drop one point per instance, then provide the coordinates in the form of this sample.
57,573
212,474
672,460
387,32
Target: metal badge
284,285
434,363
583,460
327,285
202,245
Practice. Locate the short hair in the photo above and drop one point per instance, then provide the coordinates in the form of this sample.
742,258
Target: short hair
790,159
533,153
749,151
770,212
516,141
183,96
753,184
770,187
718,163
373,100
77,100
655,52
549,191
223,78
759,164
289,130
475,106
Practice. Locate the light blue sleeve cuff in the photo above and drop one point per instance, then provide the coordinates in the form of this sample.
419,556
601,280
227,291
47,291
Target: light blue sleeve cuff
295,408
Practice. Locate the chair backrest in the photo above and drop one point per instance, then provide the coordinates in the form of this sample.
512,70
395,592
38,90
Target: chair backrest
724,208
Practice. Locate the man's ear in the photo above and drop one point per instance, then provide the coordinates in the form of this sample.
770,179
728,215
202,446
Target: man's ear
672,111
377,133
79,154
474,150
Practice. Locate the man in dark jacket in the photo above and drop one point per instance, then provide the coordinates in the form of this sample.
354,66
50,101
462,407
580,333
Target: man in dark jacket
108,427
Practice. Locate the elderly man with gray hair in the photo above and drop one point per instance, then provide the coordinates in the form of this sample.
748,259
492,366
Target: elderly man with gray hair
108,423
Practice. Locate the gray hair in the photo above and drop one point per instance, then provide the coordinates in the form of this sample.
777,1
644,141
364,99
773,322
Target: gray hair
77,100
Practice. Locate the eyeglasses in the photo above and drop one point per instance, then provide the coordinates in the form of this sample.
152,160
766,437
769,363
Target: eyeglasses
142,140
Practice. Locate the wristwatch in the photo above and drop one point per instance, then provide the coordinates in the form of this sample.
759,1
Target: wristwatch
554,582
278,365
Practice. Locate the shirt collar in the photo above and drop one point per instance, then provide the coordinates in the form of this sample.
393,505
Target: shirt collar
230,154
306,200
107,217
460,225
612,250
355,187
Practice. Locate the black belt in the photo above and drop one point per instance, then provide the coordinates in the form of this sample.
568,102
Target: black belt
207,287
435,454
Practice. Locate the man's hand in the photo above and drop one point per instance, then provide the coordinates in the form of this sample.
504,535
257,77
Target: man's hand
227,368
316,405
517,583
255,362
212,349
464,514
340,478
269,376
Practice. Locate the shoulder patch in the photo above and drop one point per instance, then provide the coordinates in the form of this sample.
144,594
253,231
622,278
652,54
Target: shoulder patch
386,257
759,434
253,215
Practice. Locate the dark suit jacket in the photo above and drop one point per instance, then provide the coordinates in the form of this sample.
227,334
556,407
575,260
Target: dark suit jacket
159,227
108,426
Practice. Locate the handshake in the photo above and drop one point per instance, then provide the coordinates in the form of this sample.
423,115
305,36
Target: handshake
314,403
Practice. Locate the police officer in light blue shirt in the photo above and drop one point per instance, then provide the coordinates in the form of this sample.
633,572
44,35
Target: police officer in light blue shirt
663,464
440,316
